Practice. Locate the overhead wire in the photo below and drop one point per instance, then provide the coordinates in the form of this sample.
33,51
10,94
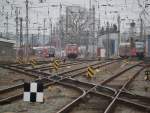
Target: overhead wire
46,6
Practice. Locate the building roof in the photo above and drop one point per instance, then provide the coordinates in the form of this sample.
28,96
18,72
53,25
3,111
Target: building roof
7,41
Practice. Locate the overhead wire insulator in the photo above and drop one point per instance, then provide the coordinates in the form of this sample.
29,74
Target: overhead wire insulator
11,10
48,11
19,11
3,10
7,2
42,1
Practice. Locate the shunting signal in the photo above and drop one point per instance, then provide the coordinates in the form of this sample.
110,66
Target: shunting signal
56,64
90,72
147,73
33,62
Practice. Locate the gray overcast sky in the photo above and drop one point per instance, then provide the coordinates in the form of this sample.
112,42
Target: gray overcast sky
128,10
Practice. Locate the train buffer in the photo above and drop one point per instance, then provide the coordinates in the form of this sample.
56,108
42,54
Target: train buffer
56,64
90,72
20,60
33,62
125,62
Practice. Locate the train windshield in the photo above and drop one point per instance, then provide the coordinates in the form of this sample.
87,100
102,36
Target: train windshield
51,50
139,44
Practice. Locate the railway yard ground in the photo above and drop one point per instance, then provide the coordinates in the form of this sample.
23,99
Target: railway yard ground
109,86
74,56
9,78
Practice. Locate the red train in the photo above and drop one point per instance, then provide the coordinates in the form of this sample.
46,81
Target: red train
72,50
125,50
44,51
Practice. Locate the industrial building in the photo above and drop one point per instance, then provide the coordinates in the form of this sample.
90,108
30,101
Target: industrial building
7,51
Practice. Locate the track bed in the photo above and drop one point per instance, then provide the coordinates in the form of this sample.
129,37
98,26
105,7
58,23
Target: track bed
9,78
127,109
93,104
56,96
104,72
140,86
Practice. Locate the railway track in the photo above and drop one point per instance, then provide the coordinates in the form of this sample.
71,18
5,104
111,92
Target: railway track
115,97
46,65
61,66
26,65
105,91
30,72
9,78
55,96
16,92
140,85
124,84
61,73
19,88
80,70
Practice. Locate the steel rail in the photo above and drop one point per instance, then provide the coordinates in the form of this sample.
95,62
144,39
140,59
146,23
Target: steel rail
12,88
86,86
63,110
98,65
122,100
66,108
17,86
20,95
108,109
46,66
22,70
118,74
63,65
26,65
110,92
49,61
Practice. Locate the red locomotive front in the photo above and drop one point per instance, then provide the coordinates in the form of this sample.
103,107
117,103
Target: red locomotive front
72,50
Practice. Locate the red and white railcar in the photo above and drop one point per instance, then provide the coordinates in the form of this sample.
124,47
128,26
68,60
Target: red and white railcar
72,50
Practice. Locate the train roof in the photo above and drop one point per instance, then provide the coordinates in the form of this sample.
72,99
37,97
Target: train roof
125,44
